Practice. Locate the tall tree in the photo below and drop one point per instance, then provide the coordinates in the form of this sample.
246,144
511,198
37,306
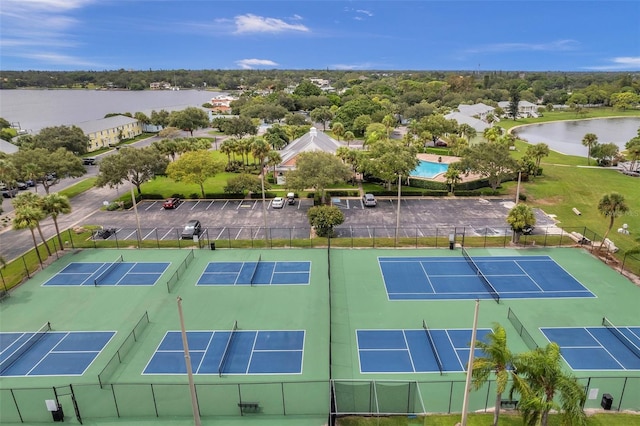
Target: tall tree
71,138
520,217
321,115
540,381
49,166
589,140
497,360
136,165
273,159
612,206
195,167
29,217
338,129
189,119
317,170
514,102
537,152
491,160
54,205
324,218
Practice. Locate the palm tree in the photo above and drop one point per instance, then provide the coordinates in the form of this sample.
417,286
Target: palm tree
589,140
273,159
520,217
538,151
28,217
33,203
498,359
540,379
349,137
337,129
611,206
452,175
227,148
55,204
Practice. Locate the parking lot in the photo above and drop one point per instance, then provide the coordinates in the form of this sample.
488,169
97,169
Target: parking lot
244,220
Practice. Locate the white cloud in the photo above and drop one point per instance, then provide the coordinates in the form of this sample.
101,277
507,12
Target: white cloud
38,29
554,46
365,12
249,64
620,63
58,59
259,24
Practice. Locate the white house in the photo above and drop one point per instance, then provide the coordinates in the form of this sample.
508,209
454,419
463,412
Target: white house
525,108
479,111
461,118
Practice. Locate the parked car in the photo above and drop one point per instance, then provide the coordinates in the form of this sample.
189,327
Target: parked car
22,186
193,227
528,230
89,161
277,203
171,203
105,233
369,200
440,142
9,192
291,198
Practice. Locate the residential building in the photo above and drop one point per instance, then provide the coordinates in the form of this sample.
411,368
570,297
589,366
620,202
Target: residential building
461,118
525,108
221,104
110,131
314,140
479,111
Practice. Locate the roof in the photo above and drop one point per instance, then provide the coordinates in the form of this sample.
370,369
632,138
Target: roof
521,104
7,147
461,118
311,141
475,109
105,123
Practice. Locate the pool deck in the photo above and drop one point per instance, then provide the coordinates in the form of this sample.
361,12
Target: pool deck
446,159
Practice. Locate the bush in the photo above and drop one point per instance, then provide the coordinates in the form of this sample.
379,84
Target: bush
522,197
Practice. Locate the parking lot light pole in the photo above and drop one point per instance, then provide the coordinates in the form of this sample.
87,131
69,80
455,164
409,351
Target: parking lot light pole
398,208
135,209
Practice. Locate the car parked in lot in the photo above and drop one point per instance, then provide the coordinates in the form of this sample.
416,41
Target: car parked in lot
89,161
277,203
9,192
22,186
369,200
171,203
192,228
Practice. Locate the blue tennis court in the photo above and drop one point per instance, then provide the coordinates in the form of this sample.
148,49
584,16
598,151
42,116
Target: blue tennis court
238,352
517,277
53,353
256,273
597,348
415,351
109,274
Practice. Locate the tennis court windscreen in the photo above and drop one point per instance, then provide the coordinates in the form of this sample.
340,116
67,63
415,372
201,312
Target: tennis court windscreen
620,335
226,349
492,291
32,340
108,269
433,345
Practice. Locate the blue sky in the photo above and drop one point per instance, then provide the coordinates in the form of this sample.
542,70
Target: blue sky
304,34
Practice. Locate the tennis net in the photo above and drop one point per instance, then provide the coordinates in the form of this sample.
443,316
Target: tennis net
108,269
624,339
433,345
32,340
492,291
226,349
253,274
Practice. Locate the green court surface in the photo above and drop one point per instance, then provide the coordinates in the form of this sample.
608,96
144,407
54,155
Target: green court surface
330,309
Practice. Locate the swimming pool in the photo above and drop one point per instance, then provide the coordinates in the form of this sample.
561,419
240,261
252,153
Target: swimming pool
429,170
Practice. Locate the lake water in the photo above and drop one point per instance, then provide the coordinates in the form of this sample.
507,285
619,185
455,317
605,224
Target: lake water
429,170
35,109
566,136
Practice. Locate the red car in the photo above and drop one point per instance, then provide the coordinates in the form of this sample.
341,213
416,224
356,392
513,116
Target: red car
171,203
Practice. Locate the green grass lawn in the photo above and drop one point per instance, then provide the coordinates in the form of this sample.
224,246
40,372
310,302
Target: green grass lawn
506,419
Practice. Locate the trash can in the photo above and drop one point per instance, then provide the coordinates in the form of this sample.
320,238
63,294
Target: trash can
213,246
58,415
607,401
